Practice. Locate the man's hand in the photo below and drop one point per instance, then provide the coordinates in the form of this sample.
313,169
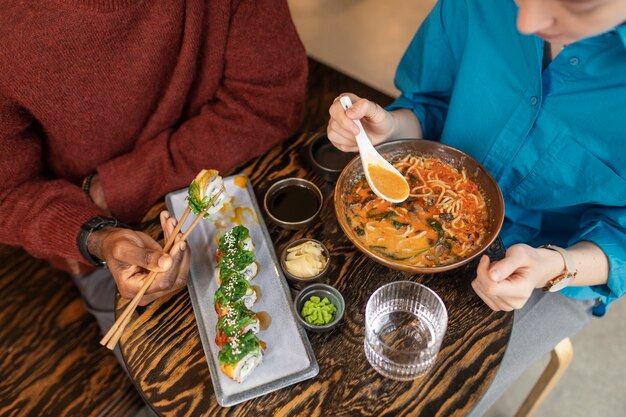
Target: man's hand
131,255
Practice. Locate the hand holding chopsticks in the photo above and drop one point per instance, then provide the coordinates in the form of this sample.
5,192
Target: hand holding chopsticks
205,197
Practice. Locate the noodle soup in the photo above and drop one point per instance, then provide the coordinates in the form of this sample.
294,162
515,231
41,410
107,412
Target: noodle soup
444,219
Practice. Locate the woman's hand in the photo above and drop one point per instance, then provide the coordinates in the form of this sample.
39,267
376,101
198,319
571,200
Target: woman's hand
508,283
342,131
132,255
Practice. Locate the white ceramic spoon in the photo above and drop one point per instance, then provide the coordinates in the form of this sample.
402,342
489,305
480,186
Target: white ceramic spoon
386,181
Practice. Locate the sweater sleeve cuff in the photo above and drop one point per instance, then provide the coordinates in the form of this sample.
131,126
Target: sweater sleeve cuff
61,233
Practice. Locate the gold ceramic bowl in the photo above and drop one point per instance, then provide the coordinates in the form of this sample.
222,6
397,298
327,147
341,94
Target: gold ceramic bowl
352,173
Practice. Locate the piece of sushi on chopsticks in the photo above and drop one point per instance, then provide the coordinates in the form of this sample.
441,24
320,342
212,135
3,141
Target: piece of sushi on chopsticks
238,321
235,290
206,193
241,355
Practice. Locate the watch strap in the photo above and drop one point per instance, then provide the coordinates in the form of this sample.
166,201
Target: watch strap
564,279
87,228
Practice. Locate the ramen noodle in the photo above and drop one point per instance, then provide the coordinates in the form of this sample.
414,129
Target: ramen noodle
443,220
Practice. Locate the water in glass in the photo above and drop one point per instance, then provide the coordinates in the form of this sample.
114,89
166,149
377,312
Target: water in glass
405,323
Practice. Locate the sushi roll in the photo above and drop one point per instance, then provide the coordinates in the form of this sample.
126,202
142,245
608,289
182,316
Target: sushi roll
235,254
235,260
240,356
236,239
236,322
206,191
249,272
234,290
241,261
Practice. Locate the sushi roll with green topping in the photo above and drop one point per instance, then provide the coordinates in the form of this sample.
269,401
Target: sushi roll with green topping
236,322
241,261
240,356
236,239
235,290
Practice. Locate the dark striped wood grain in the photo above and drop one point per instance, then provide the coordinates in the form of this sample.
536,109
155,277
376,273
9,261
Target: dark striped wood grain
164,354
50,361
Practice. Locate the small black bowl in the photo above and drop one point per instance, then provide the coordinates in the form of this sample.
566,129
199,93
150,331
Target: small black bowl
326,160
293,203
320,290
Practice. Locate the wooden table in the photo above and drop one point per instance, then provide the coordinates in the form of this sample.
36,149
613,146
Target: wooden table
165,358
50,361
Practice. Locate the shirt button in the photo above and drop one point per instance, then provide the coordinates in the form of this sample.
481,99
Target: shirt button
533,100
574,61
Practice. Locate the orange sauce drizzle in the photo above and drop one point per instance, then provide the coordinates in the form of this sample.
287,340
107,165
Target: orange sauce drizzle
239,216
241,181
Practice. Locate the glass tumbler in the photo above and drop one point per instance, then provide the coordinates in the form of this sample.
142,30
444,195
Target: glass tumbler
404,326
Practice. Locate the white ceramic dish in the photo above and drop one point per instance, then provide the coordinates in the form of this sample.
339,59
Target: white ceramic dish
289,357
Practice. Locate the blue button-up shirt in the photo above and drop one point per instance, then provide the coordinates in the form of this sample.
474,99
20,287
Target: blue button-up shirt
554,139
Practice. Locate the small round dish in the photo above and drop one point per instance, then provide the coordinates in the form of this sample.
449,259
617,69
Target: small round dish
296,281
326,160
320,290
293,203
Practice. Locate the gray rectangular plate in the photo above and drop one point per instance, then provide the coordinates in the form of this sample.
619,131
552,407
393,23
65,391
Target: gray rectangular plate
288,358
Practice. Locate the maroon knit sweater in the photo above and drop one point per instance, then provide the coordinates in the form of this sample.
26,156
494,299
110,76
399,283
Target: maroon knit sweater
145,93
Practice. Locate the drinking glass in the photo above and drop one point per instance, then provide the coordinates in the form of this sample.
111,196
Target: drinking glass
404,326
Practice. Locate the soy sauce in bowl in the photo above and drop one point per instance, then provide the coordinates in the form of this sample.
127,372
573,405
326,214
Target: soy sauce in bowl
293,203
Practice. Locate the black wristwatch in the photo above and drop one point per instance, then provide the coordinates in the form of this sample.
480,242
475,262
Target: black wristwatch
86,229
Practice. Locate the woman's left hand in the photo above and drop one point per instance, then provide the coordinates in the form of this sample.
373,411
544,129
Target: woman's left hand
508,283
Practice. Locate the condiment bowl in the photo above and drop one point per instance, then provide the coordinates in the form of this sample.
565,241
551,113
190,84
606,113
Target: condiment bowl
326,160
320,290
353,173
299,282
293,203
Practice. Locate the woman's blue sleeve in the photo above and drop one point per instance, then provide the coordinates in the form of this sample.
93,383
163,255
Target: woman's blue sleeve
606,227
426,73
